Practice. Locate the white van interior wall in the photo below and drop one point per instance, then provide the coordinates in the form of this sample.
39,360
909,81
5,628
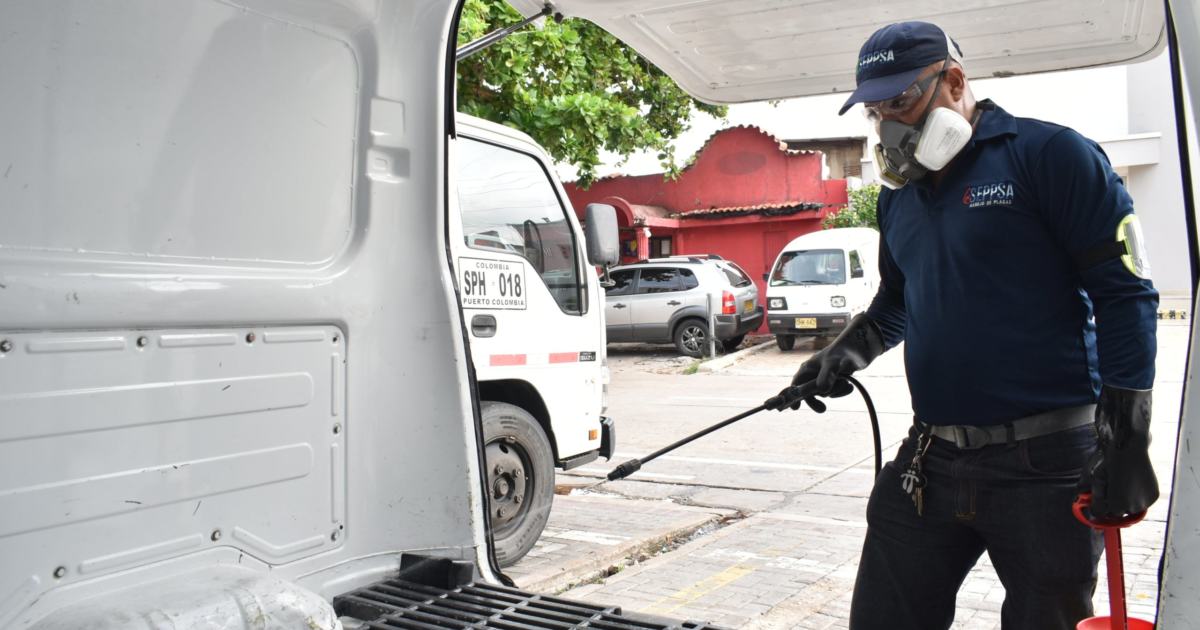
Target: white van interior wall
179,176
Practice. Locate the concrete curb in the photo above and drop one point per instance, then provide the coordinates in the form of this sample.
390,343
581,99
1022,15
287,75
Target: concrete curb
585,591
596,566
720,363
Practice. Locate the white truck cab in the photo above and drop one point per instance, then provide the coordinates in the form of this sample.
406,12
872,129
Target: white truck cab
819,282
535,312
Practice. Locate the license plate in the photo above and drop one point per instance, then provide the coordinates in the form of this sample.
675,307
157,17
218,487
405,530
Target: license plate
806,322
747,306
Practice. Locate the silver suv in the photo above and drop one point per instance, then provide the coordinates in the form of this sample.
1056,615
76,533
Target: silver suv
666,300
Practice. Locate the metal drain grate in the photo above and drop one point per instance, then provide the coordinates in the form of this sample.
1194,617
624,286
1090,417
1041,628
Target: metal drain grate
403,604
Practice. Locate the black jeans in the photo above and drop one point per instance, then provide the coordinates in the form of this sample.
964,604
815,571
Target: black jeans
1013,501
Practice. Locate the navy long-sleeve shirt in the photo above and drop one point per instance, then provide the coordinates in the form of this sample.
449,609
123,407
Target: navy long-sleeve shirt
981,279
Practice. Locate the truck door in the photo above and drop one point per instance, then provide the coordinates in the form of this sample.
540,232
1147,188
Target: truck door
518,257
520,270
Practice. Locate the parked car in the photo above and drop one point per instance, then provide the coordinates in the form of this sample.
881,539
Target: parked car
819,282
666,300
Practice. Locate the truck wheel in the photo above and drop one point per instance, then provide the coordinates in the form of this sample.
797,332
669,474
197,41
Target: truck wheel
520,478
732,343
785,342
691,338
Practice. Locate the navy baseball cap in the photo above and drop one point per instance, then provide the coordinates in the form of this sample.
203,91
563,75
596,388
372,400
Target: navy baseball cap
894,56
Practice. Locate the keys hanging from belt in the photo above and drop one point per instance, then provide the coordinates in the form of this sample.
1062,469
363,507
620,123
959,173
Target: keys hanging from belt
912,480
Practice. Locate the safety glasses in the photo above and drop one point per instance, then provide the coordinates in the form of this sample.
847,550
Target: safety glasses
895,106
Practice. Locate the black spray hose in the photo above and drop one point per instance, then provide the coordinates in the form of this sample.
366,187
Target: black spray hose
784,400
874,422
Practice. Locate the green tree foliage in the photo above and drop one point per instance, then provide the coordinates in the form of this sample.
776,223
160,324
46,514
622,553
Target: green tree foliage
572,87
860,212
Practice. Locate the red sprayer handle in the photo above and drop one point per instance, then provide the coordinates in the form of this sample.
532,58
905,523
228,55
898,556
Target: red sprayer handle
1112,552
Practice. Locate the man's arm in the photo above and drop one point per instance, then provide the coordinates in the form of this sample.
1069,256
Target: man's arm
1085,203
887,308
1091,215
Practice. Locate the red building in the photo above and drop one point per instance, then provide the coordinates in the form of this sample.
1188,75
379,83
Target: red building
744,197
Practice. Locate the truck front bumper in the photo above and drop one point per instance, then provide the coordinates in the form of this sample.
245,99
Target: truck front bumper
800,324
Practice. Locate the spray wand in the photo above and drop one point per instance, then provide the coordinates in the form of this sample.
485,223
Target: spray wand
790,397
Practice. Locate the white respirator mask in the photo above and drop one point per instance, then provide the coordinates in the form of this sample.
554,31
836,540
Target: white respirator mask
909,152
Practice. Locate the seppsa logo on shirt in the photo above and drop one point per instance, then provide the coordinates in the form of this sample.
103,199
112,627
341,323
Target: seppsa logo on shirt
983,195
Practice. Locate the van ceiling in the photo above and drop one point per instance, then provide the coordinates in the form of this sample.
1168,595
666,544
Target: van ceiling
733,51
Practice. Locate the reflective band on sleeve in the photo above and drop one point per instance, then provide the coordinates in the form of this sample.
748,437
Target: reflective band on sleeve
1129,246
1129,234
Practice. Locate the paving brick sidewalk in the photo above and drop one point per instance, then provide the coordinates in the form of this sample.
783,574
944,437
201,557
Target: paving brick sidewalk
738,573
795,568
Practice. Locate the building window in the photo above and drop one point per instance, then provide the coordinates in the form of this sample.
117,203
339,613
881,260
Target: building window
660,247
629,248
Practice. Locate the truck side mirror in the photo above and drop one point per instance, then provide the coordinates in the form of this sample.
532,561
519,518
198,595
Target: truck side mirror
603,248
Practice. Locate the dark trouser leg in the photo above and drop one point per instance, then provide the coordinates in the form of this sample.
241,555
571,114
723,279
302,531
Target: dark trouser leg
911,565
1044,557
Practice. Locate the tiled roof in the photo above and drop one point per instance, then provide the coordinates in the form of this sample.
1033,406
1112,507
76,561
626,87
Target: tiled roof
782,144
767,209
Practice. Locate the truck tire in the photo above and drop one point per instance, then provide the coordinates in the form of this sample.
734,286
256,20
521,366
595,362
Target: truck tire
520,478
785,342
691,338
732,343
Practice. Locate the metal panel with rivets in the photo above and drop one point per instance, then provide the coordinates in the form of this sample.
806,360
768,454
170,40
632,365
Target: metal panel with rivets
241,422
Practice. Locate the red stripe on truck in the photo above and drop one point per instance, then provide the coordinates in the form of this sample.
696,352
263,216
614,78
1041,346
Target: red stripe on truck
507,359
564,357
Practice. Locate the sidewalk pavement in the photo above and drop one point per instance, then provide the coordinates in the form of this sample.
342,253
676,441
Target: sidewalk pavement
592,535
794,567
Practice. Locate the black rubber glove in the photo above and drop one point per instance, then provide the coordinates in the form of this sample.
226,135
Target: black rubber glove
821,374
1119,475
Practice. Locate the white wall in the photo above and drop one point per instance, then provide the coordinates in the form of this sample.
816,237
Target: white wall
1157,190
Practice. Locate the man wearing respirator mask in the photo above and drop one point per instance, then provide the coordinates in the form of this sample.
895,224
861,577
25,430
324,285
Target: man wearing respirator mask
1013,268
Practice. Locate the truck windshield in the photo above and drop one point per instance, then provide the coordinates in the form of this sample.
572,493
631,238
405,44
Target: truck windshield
813,266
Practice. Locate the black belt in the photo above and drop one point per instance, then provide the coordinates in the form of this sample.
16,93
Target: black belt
970,437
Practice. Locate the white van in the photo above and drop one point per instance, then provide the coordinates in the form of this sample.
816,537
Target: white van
819,282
